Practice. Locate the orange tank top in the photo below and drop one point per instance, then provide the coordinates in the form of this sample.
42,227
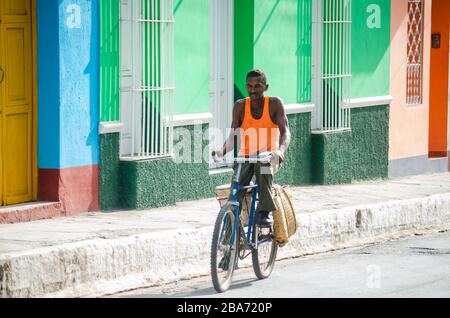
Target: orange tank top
258,135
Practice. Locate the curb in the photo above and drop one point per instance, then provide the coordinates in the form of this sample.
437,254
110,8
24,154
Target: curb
105,266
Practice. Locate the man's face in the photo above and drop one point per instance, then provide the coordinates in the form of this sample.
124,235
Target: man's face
256,86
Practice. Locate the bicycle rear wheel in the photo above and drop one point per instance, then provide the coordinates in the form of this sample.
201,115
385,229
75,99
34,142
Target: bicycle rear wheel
263,258
224,249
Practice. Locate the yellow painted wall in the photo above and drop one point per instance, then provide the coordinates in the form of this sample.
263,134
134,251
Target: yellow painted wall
408,127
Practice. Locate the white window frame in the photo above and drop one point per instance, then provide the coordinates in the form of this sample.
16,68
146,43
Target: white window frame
316,85
147,131
221,94
330,113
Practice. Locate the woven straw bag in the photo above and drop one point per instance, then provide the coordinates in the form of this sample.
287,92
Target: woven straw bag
223,195
284,219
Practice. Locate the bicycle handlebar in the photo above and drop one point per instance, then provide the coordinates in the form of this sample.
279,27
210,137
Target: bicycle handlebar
264,157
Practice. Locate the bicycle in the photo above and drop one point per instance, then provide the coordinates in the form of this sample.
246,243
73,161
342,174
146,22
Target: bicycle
234,241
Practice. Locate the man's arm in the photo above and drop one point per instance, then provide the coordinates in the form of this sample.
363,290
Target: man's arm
235,125
283,124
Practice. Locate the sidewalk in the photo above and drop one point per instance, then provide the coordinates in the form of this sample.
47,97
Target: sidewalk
98,253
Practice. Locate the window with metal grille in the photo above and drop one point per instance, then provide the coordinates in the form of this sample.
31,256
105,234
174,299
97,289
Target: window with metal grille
147,83
332,64
415,53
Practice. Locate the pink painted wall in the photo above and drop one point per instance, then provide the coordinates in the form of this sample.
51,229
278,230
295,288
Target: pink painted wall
408,127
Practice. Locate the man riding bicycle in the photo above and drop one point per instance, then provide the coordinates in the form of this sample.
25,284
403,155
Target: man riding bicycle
262,126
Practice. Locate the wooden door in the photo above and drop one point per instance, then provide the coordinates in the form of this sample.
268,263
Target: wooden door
16,101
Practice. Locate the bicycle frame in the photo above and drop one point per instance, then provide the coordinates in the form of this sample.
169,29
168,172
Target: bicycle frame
236,187
234,200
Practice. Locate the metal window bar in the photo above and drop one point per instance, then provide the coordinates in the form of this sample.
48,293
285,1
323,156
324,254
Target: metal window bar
414,76
336,21
152,79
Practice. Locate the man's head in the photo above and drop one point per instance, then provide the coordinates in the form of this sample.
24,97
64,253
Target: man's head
256,84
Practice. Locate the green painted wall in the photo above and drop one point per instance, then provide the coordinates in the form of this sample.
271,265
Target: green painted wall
275,36
331,158
109,179
150,184
304,51
371,48
192,56
244,26
357,154
133,184
370,142
297,168
192,179
282,47
109,60
147,184
362,153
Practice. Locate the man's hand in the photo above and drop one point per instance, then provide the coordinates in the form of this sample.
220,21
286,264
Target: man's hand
277,158
217,156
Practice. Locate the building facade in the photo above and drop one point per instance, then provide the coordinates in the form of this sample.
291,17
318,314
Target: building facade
419,130
116,104
328,60
49,107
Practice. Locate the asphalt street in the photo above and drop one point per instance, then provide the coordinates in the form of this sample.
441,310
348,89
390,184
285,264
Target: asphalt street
416,266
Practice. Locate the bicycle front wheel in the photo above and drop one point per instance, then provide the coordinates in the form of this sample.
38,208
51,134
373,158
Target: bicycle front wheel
224,249
264,256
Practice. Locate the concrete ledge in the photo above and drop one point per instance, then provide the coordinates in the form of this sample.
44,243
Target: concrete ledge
110,127
102,266
299,108
192,119
368,102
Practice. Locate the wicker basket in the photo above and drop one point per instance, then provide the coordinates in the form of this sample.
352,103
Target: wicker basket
284,219
223,195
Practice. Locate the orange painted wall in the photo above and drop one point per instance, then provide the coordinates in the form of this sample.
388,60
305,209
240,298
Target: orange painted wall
408,126
439,77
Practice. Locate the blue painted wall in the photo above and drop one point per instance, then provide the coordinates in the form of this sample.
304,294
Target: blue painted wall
68,83
48,83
